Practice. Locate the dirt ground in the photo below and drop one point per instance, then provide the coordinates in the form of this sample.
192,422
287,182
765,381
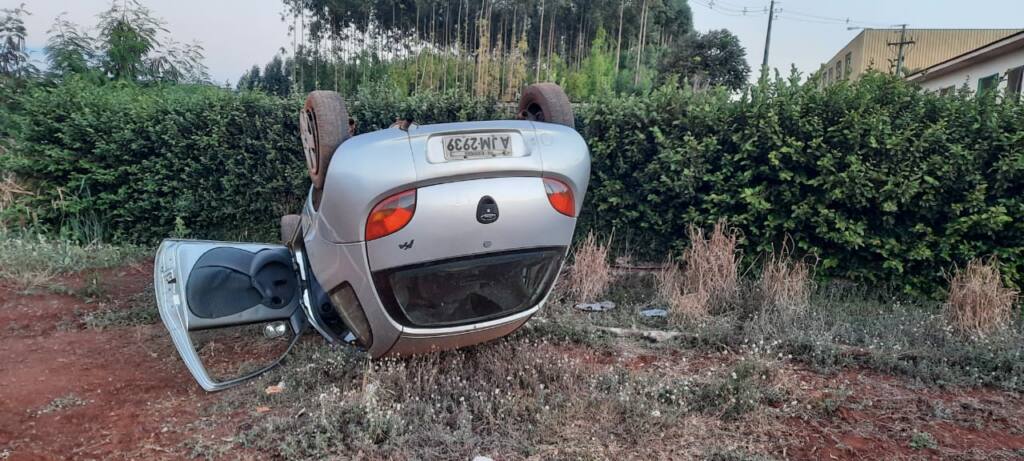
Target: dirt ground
70,391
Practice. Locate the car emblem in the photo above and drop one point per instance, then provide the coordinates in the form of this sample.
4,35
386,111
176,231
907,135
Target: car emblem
406,245
486,210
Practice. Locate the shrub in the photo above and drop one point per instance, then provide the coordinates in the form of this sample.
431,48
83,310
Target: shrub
887,183
122,162
978,302
590,273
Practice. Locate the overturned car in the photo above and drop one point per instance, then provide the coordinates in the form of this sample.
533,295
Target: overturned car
413,239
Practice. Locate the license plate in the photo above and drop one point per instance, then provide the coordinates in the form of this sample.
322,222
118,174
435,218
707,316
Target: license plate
475,146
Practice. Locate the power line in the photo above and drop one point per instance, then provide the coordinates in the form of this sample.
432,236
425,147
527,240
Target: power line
735,9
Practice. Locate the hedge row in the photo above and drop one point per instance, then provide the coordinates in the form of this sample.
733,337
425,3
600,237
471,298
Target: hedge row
885,184
122,162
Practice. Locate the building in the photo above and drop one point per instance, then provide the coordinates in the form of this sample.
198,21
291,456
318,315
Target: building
871,49
995,66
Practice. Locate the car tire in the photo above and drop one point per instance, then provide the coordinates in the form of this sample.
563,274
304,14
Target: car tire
323,126
546,102
290,229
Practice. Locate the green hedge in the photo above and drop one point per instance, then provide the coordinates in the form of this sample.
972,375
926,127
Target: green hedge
120,162
884,183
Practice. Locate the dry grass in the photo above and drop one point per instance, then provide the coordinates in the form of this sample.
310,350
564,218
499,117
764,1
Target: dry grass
712,264
590,274
710,279
978,302
786,284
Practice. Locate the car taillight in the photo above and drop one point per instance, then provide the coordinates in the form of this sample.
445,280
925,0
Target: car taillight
391,214
560,197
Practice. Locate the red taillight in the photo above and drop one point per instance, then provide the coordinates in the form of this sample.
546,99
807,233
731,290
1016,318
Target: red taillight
391,214
560,197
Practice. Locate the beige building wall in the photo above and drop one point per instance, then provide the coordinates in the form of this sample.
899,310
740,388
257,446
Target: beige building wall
870,50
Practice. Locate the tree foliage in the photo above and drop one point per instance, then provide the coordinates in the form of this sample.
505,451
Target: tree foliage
714,58
13,55
489,47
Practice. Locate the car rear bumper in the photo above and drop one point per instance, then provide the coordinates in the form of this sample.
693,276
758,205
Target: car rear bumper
418,341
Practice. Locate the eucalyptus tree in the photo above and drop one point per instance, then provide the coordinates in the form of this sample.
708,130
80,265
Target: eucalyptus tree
69,49
129,47
14,59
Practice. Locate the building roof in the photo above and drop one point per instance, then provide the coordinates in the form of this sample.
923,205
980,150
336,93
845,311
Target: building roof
983,53
873,48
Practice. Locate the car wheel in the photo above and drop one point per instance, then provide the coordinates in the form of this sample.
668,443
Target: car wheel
323,126
290,228
546,102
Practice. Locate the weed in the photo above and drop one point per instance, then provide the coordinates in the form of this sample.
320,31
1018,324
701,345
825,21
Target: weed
116,317
590,273
62,403
712,265
979,303
749,384
139,309
30,261
734,455
784,283
709,280
922,440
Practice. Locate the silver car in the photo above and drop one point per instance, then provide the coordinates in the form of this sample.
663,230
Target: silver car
413,239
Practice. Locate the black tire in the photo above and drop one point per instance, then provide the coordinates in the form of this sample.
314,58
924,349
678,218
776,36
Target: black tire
323,126
546,102
290,228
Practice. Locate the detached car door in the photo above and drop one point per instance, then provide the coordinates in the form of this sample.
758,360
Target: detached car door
232,309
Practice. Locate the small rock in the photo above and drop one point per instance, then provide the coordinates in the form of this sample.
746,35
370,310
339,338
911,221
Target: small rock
596,307
654,313
262,409
482,458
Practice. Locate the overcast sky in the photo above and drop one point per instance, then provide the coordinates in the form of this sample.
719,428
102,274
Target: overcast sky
239,33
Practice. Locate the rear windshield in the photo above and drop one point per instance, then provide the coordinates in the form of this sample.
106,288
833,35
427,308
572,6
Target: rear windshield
468,290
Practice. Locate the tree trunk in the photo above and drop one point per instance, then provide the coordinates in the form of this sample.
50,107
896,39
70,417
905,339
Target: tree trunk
618,39
640,42
540,41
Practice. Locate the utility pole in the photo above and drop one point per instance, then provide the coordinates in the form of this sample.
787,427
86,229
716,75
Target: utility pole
768,36
900,47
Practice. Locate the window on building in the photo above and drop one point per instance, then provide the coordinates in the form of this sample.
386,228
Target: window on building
829,79
849,64
839,70
1013,80
986,84
947,91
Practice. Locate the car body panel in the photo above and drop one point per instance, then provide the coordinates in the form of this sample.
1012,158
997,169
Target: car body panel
175,260
445,224
371,167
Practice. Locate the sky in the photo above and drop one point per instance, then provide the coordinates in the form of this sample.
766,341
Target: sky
236,34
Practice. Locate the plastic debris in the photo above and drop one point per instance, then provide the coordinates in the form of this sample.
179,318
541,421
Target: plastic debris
275,389
654,313
596,307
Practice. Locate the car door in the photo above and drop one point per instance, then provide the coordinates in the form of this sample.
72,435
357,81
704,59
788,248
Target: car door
233,310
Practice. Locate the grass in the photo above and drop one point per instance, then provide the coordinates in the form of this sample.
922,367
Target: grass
590,273
840,327
520,397
979,303
31,261
118,317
